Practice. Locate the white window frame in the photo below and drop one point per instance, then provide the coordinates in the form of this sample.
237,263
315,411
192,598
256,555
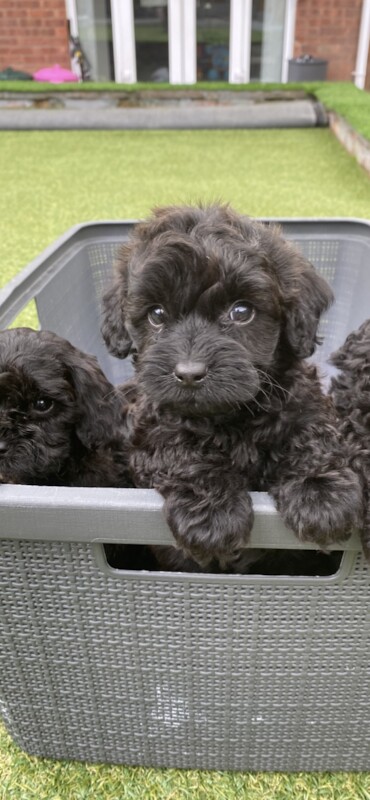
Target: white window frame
289,37
123,35
71,12
363,46
182,51
240,41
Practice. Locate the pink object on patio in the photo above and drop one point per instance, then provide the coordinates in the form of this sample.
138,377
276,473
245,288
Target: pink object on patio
55,74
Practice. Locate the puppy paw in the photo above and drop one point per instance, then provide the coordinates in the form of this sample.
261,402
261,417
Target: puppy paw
323,509
206,530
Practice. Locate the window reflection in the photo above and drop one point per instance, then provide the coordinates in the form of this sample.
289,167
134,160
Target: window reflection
213,31
151,37
95,33
268,18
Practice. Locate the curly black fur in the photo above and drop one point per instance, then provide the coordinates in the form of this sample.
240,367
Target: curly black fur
61,421
350,390
226,405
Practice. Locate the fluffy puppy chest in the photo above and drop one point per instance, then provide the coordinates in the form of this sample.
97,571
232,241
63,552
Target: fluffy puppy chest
165,447
248,445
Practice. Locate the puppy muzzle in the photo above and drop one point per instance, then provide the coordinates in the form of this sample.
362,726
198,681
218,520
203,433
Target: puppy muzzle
206,373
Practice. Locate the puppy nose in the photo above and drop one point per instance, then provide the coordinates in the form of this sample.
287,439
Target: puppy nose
190,373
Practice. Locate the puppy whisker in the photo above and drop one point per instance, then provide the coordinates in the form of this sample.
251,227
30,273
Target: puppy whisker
273,383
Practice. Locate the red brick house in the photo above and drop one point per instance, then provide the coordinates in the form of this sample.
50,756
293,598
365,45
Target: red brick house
188,40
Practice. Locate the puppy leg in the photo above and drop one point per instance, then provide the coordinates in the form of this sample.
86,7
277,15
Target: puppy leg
209,522
318,494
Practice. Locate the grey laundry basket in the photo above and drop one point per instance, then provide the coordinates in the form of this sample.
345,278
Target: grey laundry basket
175,670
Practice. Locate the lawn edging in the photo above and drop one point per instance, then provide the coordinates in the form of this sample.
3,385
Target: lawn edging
348,110
355,144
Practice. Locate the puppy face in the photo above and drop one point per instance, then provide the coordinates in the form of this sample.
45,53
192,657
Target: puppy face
204,331
49,396
212,304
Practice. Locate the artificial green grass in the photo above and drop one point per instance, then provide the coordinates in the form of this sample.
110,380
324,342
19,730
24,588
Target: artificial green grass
111,86
23,777
53,180
351,103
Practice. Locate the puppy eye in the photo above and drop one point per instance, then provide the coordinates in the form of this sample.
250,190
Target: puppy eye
42,404
241,312
156,316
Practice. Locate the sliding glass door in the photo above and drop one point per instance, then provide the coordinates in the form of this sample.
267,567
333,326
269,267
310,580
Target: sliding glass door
182,41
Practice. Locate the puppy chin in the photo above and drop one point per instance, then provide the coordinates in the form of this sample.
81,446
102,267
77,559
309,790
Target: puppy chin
211,399
192,407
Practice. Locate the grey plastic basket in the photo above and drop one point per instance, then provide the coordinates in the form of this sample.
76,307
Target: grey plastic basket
175,670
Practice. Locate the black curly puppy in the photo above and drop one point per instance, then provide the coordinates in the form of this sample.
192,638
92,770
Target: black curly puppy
350,390
219,312
61,421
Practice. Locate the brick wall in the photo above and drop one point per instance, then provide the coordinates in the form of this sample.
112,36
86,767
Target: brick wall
33,34
329,29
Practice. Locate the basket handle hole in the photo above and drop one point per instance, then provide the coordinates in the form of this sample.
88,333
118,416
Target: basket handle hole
305,563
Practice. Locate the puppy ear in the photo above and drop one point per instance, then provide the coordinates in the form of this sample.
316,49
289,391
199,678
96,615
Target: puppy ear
311,298
95,397
305,294
113,326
